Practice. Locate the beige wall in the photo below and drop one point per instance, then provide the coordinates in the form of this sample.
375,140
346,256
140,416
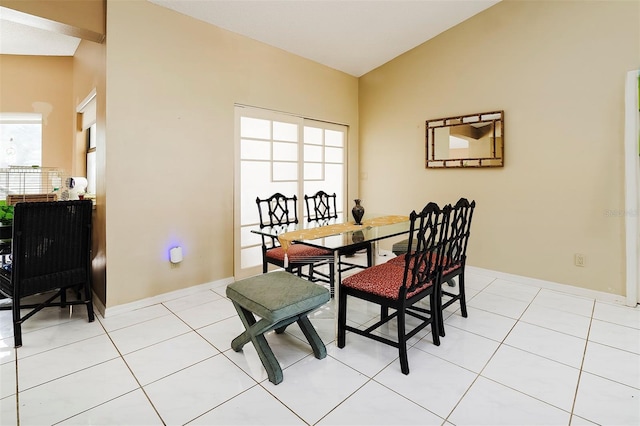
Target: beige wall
557,69
42,84
80,14
172,82
89,74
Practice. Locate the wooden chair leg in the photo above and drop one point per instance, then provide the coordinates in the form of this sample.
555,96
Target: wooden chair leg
342,319
402,342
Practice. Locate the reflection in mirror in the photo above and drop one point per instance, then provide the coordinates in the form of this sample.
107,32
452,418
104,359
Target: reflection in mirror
475,140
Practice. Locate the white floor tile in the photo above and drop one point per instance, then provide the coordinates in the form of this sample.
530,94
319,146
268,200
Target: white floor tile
167,357
75,393
132,408
7,351
547,343
53,337
59,362
180,351
432,382
287,349
147,333
264,410
483,323
618,314
617,336
328,380
370,404
7,379
538,377
364,355
564,302
221,333
116,322
498,304
613,364
490,403
522,292
8,411
208,313
605,402
476,281
554,319
189,393
192,300
468,350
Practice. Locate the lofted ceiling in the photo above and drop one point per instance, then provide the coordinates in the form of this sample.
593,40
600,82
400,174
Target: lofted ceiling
353,36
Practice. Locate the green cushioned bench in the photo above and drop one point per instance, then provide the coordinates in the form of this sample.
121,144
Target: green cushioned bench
400,247
279,298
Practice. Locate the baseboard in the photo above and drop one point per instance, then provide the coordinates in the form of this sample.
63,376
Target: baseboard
550,285
128,307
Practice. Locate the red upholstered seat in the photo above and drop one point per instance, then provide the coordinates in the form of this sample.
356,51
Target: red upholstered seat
383,280
298,253
398,287
399,261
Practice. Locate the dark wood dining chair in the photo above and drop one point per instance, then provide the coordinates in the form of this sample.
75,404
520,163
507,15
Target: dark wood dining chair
51,253
401,286
280,210
454,258
321,207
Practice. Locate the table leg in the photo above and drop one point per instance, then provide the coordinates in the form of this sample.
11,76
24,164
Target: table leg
336,286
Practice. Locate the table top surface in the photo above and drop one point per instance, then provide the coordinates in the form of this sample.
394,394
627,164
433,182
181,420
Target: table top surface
343,240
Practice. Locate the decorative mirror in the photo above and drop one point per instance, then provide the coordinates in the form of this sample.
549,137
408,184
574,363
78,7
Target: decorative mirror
475,140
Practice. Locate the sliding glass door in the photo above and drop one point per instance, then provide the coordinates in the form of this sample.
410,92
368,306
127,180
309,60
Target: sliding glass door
278,152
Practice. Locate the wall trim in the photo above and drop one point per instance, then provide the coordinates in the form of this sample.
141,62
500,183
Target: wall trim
550,285
165,297
563,288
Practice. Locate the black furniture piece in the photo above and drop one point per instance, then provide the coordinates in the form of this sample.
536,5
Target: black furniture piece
280,210
454,258
401,286
322,208
455,255
51,252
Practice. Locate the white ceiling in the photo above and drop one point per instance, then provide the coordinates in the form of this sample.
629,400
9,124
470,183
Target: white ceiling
353,36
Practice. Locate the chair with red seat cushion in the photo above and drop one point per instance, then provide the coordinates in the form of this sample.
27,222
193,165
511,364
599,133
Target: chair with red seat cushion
321,208
401,286
454,258
280,210
455,255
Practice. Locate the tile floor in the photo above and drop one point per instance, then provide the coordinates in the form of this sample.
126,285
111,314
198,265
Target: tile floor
524,356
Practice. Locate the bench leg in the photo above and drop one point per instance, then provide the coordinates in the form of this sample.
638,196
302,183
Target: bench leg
319,349
254,333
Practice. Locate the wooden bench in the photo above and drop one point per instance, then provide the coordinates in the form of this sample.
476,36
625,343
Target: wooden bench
279,298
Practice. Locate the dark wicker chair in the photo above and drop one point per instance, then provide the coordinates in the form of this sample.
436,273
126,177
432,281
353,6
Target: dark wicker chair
51,252
401,286
279,210
321,208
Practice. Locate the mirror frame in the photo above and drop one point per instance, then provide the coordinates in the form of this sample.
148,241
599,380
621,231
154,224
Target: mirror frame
497,160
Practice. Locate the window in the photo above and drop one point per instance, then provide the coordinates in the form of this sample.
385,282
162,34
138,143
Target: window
20,139
283,153
87,111
91,159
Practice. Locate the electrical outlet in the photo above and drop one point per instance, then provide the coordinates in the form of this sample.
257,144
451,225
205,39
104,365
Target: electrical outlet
579,259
